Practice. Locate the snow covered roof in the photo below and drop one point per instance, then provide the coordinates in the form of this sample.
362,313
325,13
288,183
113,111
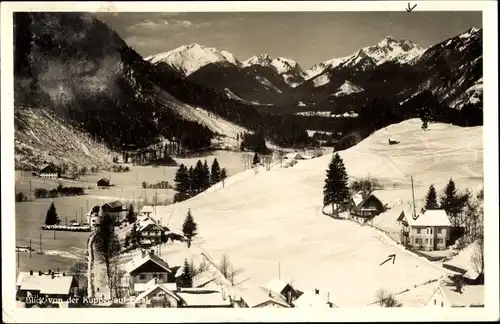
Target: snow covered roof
361,197
437,217
145,222
168,288
311,299
140,260
114,204
204,297
463,260
276,285
470,296
258,295
45,283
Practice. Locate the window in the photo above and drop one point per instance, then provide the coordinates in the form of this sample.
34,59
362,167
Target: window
441,231
426,241
155,275
431,241
142,276
430,230
439,241
418,230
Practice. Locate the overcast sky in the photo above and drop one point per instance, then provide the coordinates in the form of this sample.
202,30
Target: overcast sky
306,37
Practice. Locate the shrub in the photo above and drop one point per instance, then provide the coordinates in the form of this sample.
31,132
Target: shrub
366,184
41,193
20,197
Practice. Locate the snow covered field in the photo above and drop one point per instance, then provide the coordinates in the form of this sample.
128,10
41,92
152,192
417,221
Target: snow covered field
272,220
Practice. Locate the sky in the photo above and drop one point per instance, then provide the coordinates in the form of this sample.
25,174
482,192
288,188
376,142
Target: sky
306,37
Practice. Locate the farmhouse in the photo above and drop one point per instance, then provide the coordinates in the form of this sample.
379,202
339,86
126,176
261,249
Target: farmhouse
146,270
103,182
58,286
159,295
152,233
427,231
49,171
259,297
365,205
450,296
312,299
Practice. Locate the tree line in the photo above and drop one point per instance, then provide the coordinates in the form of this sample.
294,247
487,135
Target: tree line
192,181
60,191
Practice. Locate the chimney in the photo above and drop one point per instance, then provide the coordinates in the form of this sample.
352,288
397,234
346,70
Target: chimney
289,296
58,270
50,271
316,291
270,295
64,274
40,273
143,253
151,252
31,272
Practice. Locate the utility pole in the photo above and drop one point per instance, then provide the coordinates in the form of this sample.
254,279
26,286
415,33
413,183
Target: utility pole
17,257
413,195
54,234
30,188
30,248
40,242
279,270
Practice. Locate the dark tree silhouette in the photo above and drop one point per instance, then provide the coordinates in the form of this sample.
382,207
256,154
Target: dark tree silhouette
182,184
107,245
215,175
51,218
336,190
431,199
189,228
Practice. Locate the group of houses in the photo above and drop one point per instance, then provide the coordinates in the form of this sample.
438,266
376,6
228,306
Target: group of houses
427,230
39,289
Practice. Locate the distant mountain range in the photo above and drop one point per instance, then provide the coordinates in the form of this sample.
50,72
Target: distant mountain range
398,68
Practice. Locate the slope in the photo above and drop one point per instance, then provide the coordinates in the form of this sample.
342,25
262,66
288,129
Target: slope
273,219
41,137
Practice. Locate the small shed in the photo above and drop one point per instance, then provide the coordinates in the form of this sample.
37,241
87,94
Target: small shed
49,171
103,182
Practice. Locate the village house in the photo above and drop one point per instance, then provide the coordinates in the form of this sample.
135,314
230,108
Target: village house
103,182
171,296
428,231
450,296
158,295
365,206
313,299
115,209
152,233
146,270
59,287
49,171
146,211
282,288
260,297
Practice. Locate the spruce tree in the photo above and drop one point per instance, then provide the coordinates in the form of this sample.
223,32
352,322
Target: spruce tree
215,176
130,214
256,159
431,199
205,176
189,228
182,185
336,190
198,178
51,218
187,275
191,181
452,203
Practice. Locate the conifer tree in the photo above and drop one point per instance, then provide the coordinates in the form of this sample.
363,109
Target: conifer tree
198,178
192,181
256,159
205,177
431,199
453,203
131,215
182,184
215,176
51,218
187,275
336,190
189,228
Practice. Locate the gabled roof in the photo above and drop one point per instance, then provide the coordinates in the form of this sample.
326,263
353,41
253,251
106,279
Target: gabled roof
45,284
147,209
437,217
311,299
167,288
276,285
360,198
203,297
50,166
103,179
256,296
146,222
470,296
139,261
114,204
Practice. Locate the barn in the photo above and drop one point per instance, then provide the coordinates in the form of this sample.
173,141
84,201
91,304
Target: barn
49,171
103,182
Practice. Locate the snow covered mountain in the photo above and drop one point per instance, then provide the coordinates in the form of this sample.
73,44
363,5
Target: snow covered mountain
190,58
288,69
347,88
388,50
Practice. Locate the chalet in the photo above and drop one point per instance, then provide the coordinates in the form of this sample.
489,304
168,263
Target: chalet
115,209
147,210
93,218
58,286
103,182
49,171
365,205
260,297
152,233
452,296
147,269
312,299
282,288
427,231
159,295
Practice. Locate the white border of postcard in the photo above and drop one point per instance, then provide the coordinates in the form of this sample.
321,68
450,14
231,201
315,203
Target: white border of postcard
490,139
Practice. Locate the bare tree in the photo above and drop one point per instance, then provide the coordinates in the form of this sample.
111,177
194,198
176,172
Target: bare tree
79,271
386,299
267,159
106,244
247,160
477,257
227,270
280,155
113,281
